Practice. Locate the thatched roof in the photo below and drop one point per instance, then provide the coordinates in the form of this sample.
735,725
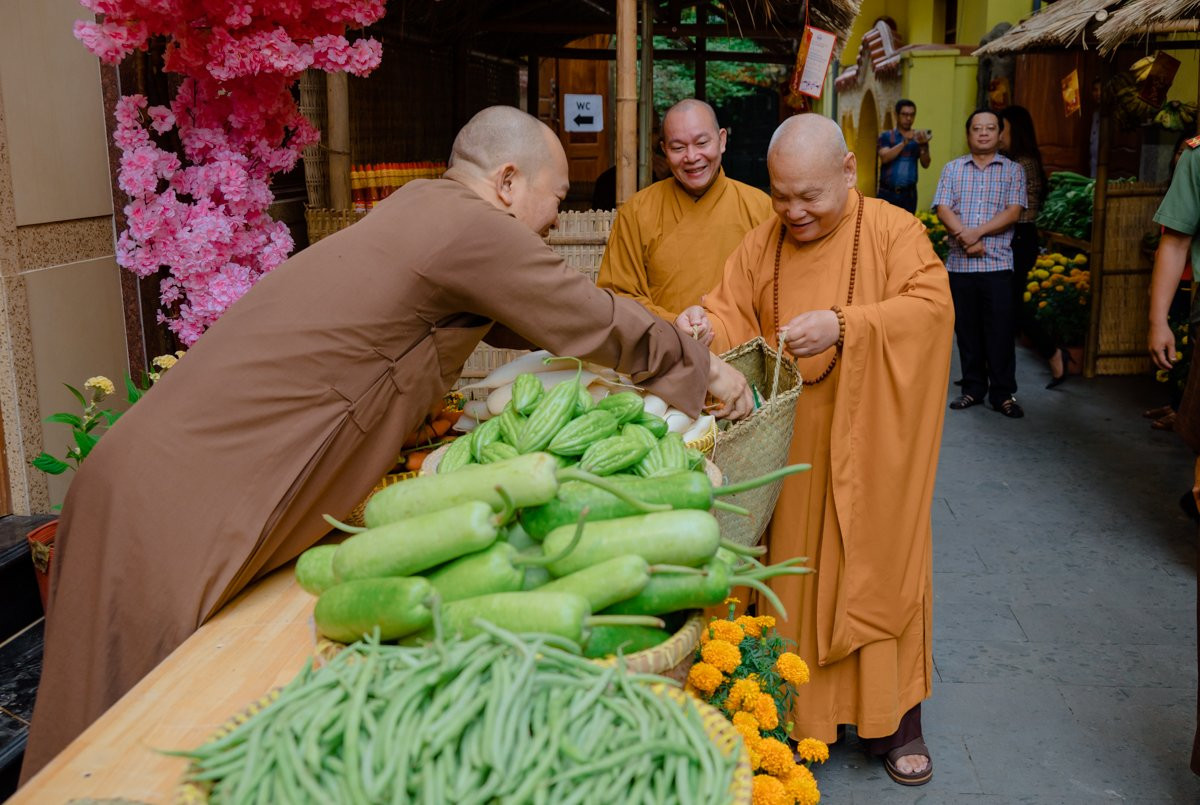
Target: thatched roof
1085,23
1062,24
1139,17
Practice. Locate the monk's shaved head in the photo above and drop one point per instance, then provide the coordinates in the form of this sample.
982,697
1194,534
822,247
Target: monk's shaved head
692,105
812,134
514,162
811,175
500,135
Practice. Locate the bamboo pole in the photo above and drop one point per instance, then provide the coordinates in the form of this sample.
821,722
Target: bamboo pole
1096,258
337,103
646,96
626,99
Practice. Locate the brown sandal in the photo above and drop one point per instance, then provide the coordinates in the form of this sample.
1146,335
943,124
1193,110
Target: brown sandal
914,747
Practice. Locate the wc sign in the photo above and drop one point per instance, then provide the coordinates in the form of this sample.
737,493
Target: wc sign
583,112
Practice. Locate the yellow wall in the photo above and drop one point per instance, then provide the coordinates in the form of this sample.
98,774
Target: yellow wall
977,17
1188,77
927,75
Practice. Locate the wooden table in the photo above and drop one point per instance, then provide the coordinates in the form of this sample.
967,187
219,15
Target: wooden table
257,642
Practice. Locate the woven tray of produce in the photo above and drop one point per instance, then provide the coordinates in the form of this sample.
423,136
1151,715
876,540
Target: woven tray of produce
499,717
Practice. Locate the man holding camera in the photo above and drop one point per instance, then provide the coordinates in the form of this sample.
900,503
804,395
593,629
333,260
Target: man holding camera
900,149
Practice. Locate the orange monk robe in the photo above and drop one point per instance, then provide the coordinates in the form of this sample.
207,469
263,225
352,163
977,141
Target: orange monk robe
871,431
667,248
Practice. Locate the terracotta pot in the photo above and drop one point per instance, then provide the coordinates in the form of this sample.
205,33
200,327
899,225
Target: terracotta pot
41,547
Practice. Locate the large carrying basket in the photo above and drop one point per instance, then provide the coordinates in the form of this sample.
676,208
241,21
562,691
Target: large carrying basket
758,444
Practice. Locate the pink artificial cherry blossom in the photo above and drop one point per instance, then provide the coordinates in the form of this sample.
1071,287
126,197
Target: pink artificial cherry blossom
204,218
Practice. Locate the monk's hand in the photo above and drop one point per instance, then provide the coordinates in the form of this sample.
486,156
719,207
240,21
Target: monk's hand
730,387
693,322
1162,344
811,333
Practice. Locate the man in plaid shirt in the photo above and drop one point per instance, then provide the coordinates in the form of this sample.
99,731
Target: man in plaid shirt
979,197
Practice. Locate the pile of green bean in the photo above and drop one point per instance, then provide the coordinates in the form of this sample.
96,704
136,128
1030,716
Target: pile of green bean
500,718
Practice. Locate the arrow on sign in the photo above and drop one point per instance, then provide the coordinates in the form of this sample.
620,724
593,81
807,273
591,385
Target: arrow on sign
580,120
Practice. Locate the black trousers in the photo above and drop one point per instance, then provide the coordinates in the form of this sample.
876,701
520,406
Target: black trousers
983,326
903,197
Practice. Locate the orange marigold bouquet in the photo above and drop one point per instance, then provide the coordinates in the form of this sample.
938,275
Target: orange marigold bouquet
744,669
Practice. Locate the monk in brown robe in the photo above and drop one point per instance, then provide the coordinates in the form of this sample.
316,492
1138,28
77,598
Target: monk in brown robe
297,401
669,241
855,291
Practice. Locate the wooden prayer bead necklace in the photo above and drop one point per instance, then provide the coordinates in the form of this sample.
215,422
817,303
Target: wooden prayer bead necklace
849,293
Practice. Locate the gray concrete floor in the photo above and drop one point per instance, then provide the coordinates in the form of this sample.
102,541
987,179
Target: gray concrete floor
1064,608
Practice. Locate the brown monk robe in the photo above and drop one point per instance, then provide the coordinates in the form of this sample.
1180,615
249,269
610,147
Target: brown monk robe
669,241
870,427
297,400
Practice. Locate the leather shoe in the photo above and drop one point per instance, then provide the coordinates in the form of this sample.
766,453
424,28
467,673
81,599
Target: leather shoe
1010,408
965,401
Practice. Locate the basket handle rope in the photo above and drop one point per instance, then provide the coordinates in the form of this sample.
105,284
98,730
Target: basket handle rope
778,363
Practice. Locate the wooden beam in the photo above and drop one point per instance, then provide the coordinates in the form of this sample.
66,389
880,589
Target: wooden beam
646,96
578,30
1096,255
626,99
532,89
603,54
337,104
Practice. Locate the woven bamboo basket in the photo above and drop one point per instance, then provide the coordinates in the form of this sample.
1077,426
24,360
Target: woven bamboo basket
758,444
322,222
720,731
672,658
312,105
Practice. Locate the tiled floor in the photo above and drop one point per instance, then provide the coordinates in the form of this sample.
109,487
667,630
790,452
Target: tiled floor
1064,608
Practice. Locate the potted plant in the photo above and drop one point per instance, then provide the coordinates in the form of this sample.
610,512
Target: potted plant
1059,291
86,429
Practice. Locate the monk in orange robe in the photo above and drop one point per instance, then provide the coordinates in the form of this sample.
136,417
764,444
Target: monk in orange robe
669,241
296,402
861,301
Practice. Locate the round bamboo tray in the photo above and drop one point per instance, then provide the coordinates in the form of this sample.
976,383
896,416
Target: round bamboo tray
672,658
719,729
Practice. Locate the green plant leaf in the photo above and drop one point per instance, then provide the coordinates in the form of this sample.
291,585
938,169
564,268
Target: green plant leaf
86,442
111,416
66,419
133,392
77,394
50,465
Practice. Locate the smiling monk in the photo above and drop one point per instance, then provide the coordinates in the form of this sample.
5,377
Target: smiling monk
854,290
669,242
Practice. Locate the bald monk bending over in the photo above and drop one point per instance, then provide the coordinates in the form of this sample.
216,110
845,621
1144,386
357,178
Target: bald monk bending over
296,402
669,241
853,289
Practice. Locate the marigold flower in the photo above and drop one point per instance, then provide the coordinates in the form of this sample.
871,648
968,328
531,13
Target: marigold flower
101,385
729,631
792,668
802,786
743,719
741,690
165,361
731,600
777,757
812,750
725,657
766,712
1041,304
749,626
1028,296
769,791
179,353
705,678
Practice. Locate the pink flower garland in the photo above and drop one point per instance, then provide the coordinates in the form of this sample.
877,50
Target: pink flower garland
205,218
